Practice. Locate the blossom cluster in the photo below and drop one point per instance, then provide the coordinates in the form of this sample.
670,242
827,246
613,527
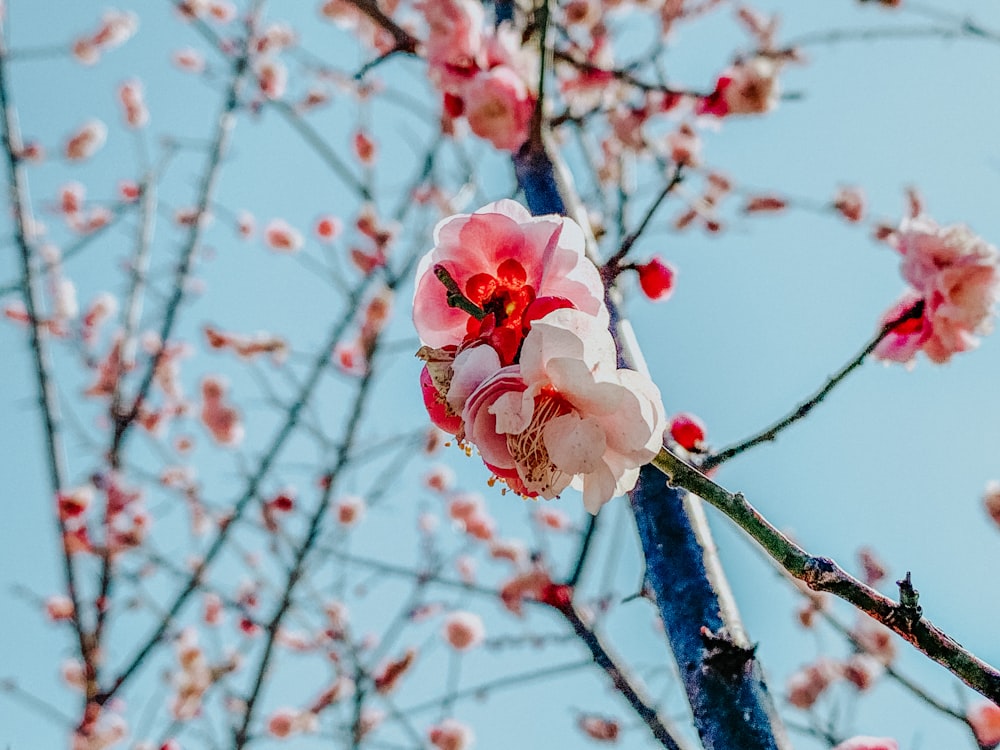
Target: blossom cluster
482,72
519,359
955,275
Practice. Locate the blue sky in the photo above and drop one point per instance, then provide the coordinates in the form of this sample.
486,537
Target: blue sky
761,315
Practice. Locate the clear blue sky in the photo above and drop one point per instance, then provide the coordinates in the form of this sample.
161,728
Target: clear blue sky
762,314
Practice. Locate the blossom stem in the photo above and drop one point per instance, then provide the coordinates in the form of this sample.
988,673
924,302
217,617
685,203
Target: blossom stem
455,297
800,411
823,574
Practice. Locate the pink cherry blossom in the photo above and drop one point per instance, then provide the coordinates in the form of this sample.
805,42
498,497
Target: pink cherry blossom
451,734
498,107
566,413
463,630
455,39
955,273
281,237
747,87
868,743
500,255
984,717
86,141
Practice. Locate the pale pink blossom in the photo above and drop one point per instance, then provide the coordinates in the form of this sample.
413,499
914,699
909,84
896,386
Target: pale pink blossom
130,94
599,728
868,743
189,60
86,141
59,607
991,500
984,717
566,414
451,734
805,686
350,509
503,258
281,237
116,28
463,630
272,77
498,107
745,88
454,41
221,420
286,721
955,273
850,202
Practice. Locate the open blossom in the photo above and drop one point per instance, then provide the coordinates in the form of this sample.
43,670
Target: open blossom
86,141
498,107
463,630
454,40
503,259
566,413
955,274
747,87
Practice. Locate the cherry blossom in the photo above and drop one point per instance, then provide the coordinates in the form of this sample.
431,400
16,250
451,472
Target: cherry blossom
984,718
463,630
566,413
86,141
954,273
503,259
451,734
498,107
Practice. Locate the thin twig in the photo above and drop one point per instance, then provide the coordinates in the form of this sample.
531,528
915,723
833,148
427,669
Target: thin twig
47,397
614,262
220,145
803,409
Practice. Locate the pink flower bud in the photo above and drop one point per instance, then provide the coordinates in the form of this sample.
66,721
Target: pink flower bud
451,735
599,728
463,630
85,142
328,228
281,237
59,607
350,510
984,718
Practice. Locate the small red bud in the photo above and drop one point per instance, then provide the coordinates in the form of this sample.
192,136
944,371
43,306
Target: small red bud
656,279
688,431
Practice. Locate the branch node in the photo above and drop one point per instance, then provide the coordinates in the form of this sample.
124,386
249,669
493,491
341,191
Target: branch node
723,655
820,573
908,597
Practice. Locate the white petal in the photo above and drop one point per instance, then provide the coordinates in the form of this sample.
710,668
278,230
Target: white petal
598,487
575,445
470,369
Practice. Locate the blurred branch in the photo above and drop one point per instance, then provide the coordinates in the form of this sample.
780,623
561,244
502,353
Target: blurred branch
24,224
223,134
803,409
303,550
665,734
613,264
823,574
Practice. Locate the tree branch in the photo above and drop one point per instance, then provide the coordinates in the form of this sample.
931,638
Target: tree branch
823,574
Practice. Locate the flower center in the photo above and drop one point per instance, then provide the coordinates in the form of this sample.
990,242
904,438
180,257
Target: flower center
505,295
528,450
